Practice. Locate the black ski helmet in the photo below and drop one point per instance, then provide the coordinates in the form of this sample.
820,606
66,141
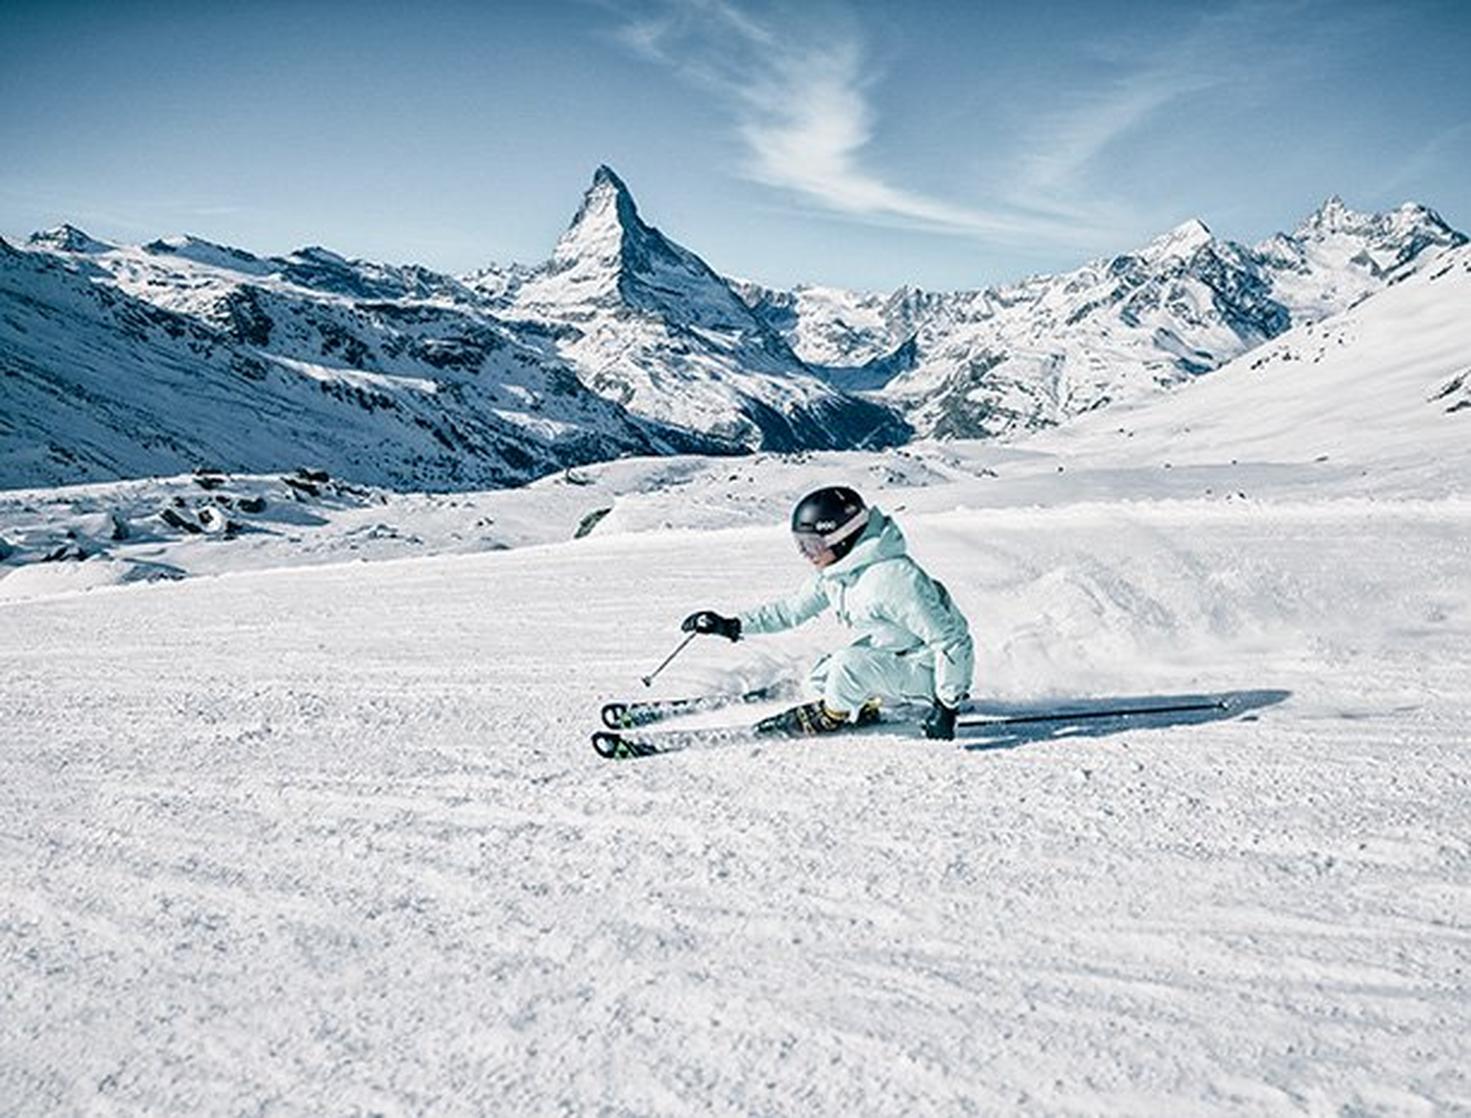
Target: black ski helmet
829,520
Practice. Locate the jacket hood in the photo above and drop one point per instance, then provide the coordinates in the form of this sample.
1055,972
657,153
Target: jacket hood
881,539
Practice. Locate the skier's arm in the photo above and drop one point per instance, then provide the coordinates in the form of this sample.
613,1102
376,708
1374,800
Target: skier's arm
925,609
786,613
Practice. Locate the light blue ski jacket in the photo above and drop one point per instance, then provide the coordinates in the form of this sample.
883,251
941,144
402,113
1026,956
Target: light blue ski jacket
880,593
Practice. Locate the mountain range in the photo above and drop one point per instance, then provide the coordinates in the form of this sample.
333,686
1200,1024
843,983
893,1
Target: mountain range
124,361
1033,354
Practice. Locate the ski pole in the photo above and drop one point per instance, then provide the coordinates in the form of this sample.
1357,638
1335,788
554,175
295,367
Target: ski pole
649,679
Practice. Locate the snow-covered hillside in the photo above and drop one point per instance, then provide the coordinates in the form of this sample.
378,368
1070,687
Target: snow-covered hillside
1032,354
126,362
1379,398
313,839
129,361
331,838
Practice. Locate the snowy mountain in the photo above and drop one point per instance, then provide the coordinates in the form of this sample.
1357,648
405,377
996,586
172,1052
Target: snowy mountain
1035,353
158,359
179,353
1371,401
125,362
646,322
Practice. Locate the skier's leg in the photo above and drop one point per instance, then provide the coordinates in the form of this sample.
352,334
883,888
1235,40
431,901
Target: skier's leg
857,675
852,683
817,675
821,716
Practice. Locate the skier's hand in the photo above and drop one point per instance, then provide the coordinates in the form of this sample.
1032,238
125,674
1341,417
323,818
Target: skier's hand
940,722
708,621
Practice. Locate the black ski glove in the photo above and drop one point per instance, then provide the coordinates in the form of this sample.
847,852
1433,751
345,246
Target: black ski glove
940,722
708,621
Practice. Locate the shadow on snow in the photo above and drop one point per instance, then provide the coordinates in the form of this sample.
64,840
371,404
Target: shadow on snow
1022,723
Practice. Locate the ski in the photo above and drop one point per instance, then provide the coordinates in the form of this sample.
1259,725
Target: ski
616,745
641,712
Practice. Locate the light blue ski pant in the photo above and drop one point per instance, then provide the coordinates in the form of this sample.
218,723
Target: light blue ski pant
852,676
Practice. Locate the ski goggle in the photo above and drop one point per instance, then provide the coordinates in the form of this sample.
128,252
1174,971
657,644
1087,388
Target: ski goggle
817,545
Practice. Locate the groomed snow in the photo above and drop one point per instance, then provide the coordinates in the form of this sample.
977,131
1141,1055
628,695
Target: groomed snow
332,840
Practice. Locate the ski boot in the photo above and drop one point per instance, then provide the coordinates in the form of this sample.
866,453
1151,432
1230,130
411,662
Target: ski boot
800,721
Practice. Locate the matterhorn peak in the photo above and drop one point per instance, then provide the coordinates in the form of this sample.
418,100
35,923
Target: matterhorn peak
607,240
605,176
607,213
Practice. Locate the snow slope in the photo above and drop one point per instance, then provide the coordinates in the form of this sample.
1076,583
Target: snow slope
332,838
126,362
1381,393
1027,355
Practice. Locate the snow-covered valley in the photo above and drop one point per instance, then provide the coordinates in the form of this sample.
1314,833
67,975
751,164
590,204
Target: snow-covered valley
294,838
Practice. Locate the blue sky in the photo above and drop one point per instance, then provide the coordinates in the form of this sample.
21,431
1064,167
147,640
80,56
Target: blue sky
860,144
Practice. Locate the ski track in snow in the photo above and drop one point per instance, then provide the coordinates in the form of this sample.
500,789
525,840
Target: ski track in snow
333,840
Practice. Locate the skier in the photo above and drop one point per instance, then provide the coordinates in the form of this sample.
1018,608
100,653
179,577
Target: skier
912,642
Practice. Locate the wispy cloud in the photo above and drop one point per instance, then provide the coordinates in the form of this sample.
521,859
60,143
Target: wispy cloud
1067,140
1237,54
800,93
1449,142
799,97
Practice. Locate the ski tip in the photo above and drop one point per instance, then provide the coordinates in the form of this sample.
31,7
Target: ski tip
615,715
616,747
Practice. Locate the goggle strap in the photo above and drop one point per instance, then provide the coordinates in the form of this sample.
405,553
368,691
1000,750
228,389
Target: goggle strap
843,531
